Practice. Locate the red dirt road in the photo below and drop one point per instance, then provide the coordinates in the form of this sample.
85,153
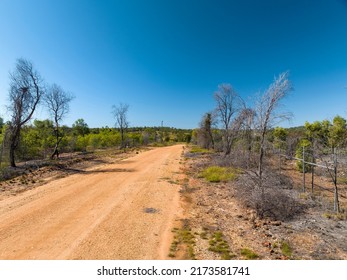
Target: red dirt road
114,211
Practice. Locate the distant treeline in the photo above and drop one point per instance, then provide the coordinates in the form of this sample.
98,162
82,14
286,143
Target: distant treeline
37,140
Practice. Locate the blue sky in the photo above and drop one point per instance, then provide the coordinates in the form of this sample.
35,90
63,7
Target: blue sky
166,58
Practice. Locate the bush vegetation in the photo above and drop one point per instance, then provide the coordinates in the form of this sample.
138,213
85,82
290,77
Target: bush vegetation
219,174
37,139
199,150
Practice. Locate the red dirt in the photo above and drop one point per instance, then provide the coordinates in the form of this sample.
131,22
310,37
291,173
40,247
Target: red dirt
113,211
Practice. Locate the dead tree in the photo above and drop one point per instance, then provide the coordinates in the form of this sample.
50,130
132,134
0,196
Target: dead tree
266,113
120,114
25,93
57,101
247,131
228,106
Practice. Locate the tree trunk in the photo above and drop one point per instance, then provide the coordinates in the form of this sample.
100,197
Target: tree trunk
14,139
336,194
261,157
12,159
210,135
122,139
57,141
55,152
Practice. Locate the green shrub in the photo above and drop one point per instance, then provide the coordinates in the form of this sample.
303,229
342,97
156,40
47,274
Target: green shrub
219,174
199,150
286,250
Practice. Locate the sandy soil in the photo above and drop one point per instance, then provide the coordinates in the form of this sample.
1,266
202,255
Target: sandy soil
114,211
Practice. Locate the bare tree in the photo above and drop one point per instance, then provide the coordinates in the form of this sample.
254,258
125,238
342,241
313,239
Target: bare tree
228,106
57,101
120,114
247,128
266,114
25,93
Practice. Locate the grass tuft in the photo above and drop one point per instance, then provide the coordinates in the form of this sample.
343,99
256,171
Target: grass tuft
249,254
183,236
220,246
286,249
336,216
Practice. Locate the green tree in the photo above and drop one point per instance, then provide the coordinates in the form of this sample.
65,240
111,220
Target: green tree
80,127
44,135
337,132
280,136
304,145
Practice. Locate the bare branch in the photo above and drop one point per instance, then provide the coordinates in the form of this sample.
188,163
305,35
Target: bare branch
266,108
57,101
229,104
120,115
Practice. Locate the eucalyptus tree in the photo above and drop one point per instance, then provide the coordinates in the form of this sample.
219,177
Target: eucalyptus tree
337,132
80,127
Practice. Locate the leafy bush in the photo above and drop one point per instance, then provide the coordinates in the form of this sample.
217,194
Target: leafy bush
219,174
199,150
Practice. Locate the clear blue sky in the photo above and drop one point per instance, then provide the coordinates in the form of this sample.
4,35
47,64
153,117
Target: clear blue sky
166,58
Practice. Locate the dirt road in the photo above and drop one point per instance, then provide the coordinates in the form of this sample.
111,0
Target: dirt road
115,211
